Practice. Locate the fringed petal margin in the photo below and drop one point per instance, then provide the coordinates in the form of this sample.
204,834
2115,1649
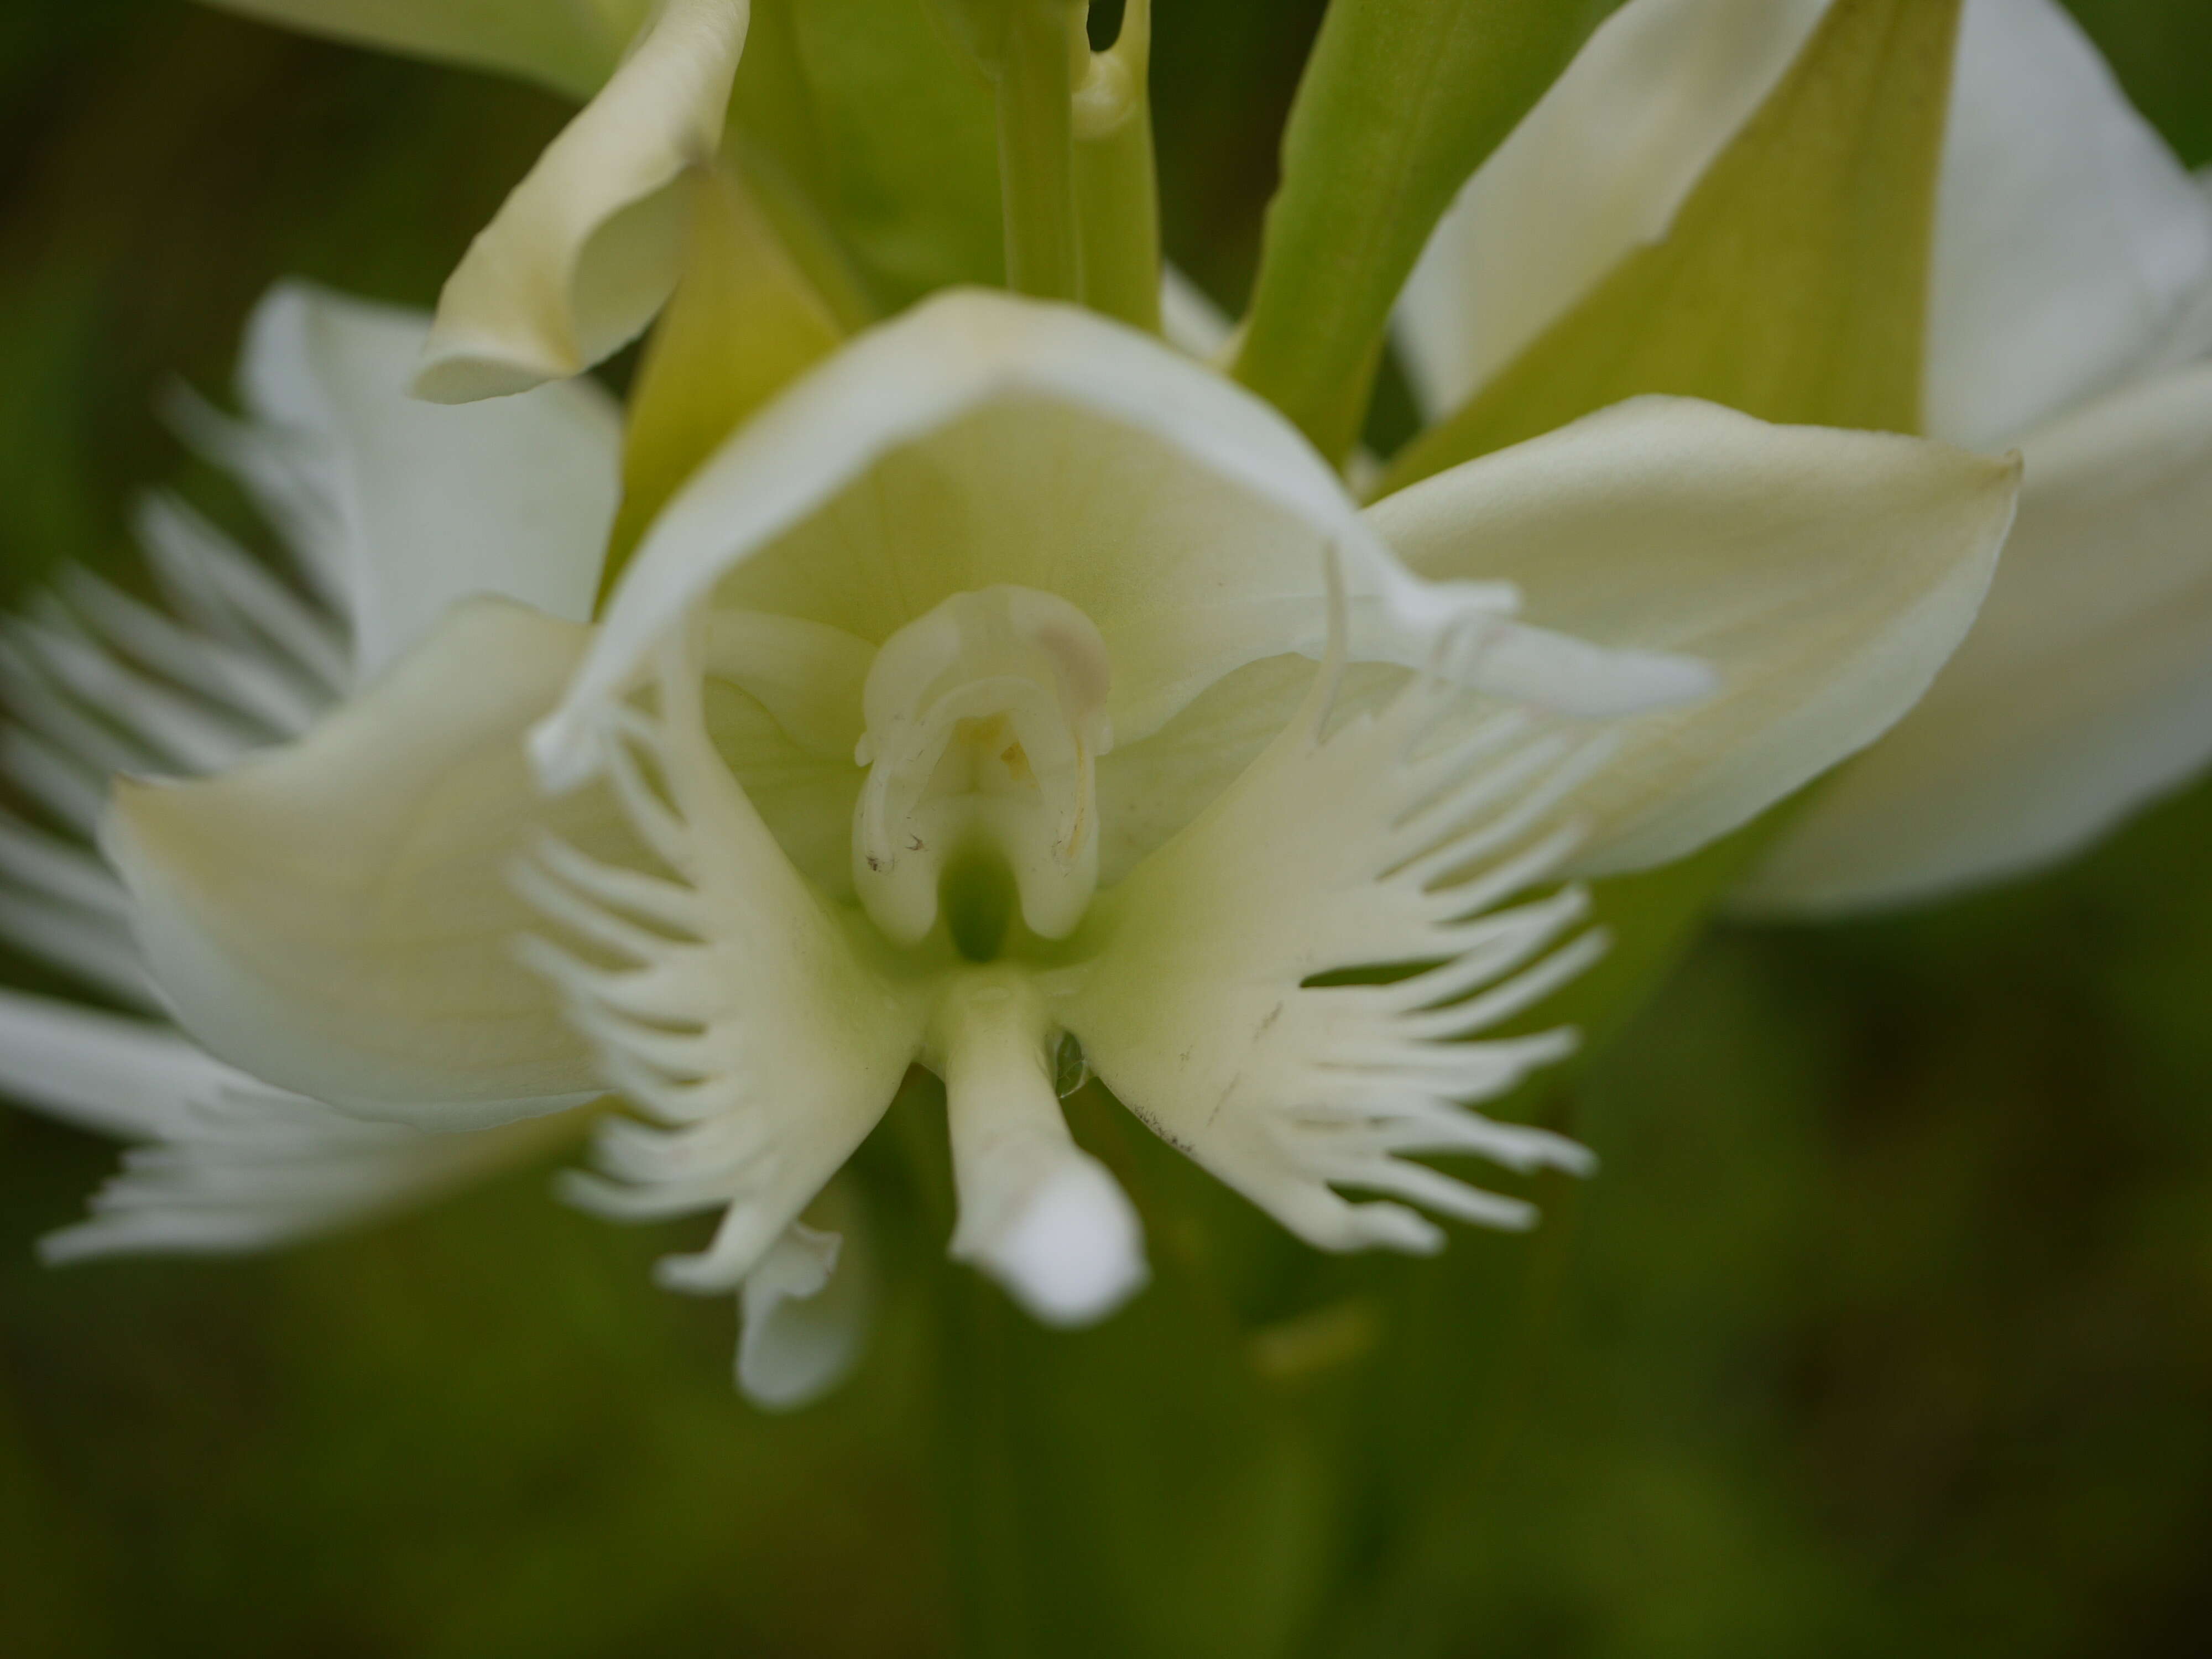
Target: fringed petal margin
1395,841
762,1031
223,1162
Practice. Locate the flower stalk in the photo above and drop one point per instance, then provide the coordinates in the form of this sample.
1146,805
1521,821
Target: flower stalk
1035,76
1116,179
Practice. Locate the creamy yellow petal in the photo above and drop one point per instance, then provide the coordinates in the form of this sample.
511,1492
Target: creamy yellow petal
335,918
1824,575
762,1029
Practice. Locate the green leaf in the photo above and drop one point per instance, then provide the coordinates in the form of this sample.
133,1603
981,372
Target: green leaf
1794,283
1401,101
1117,177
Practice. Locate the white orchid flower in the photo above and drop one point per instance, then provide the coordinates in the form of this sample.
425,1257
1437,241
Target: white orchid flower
392,510
1008,676
587,248
2069,317
100,683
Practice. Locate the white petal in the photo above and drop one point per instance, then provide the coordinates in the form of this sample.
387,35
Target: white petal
571,45
805,1311
334,916
2071,244
764,1031
983,440
421,505
1825,574
225,1163
72,687
1393,838
587,247
1596,170
1149,790
2084,691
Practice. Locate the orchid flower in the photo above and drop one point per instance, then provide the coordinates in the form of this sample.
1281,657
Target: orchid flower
1009,679
99,682
2070,316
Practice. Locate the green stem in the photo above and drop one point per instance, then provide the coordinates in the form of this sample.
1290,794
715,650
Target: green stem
1036,152
1116,178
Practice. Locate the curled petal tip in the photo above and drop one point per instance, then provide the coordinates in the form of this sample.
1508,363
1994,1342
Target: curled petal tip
450,376
561,753
805,1312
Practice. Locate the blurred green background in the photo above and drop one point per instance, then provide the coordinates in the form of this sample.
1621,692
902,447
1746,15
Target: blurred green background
1887,1328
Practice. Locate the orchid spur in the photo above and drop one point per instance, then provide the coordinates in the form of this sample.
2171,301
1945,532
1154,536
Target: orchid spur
2069,315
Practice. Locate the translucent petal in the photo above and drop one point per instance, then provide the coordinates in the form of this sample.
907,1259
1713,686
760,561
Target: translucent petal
805,1311
415,506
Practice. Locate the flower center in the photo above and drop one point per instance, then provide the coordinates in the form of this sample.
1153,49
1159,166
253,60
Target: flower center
985,720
